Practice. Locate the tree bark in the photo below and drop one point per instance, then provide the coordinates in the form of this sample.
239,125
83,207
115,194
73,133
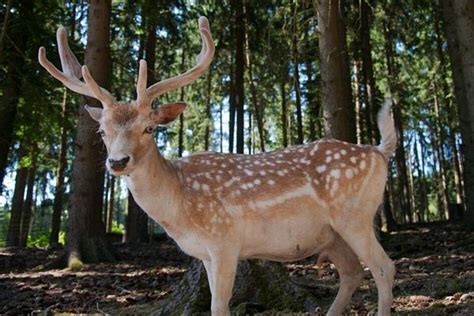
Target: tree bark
259,286
27,206
111,205
296,74
368,78
459,26
86,240
11,77
400,156
257,106
207,130
14,227
336,85
239,34
232,107
284,114
136,226
59,193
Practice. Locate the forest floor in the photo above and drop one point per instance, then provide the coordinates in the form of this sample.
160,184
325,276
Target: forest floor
435,276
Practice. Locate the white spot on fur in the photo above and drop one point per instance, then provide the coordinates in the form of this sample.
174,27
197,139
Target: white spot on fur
328,159
271,182
205,187
349,173
257,181
262,173
196,185
337,155
248,172
336,173
353,159
280,173
321,168
343,151
362,165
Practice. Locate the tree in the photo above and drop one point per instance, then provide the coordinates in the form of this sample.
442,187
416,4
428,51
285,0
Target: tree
459,24
336,91
239,30
86,241
12,73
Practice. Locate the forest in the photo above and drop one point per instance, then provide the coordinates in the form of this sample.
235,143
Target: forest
285,73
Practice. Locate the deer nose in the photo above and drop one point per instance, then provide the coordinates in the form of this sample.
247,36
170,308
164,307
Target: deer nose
120,164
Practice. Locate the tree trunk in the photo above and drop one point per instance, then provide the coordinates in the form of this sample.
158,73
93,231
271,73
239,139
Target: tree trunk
368,78
284,114
459,24
207,130
27,206
14,227
257,106
181,116
239,34
59,193
111,205
259,286
136,226
296,74
397,117
11,85
232,107
336,85
86,240
150,42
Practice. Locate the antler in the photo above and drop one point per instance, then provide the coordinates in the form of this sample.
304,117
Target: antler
71,74
146,95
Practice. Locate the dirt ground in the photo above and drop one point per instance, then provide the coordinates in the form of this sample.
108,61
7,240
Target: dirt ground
435,276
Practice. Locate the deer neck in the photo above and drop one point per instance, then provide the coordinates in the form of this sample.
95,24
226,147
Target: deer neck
155,186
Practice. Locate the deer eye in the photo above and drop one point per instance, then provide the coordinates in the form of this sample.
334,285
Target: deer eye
148,130
101,132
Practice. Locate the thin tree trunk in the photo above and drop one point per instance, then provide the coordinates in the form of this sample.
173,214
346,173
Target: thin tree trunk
86,240
207,130
59,193
257,106
181,116
368,79
336,87
239,34
397,116
111,205
296,75
357,103
14,227
284,114
27,206
232,107
438,143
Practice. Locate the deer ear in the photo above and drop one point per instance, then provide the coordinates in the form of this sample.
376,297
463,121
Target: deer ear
95,113
167,112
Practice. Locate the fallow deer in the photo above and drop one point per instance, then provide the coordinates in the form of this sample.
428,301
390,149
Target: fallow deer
221,208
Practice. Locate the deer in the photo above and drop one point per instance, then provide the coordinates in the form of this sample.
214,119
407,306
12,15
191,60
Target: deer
284,205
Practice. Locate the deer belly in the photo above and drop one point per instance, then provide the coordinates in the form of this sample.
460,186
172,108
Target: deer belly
193,246
285,239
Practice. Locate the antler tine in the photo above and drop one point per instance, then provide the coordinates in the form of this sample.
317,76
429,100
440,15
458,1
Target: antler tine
72,71
204,59
100,94
141,84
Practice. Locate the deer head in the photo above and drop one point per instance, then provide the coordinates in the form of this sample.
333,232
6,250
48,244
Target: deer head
127,127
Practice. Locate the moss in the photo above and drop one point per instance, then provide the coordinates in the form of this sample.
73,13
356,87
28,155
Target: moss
75,264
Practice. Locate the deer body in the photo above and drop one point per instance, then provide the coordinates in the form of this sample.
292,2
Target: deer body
220,208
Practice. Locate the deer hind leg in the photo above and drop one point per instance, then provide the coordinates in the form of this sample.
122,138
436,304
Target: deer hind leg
359,235
349,270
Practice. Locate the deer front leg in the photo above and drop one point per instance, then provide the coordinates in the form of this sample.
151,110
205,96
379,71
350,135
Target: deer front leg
222,268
